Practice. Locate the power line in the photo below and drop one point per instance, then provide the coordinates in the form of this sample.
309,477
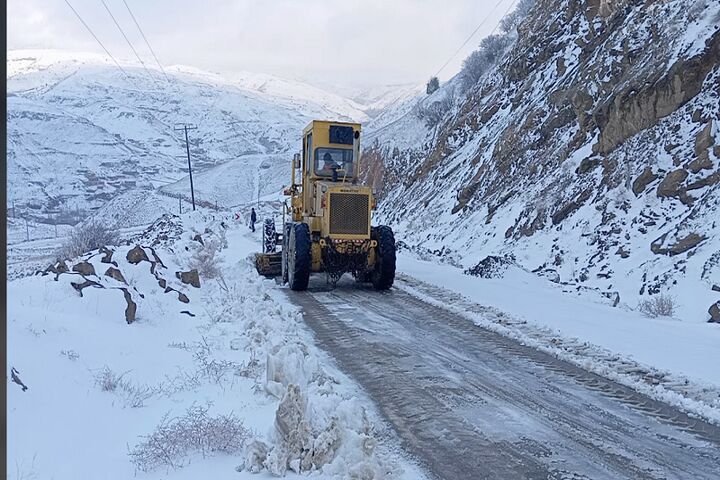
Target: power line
487,17
146,41
127,40
97,39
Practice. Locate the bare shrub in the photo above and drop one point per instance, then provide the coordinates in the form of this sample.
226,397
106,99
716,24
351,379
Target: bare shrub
492,48
181,382
133,396
87,237
137,395
433,112
510,23
206,258
210,367
107,380
658,306
70,354
174,439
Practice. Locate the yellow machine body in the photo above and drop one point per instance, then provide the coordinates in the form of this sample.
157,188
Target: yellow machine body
336,209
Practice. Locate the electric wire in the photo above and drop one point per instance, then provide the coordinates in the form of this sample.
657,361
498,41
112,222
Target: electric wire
97,40
484,20
128,40
146,41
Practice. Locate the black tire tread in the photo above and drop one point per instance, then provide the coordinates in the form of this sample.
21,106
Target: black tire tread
383,276
303,257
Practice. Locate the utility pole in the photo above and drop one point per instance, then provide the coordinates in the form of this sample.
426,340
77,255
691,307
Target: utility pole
187,147
180,201
27,230
14,211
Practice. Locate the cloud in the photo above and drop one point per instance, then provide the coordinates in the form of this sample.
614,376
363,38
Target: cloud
348,42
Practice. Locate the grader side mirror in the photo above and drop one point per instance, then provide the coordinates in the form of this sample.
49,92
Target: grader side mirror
296,161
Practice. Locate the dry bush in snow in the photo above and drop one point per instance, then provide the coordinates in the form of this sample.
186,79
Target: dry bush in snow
132,395
658,306
70,354
174,439
210,367
206,258
87,237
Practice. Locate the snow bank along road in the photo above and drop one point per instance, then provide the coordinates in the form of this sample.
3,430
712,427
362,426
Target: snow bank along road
470,403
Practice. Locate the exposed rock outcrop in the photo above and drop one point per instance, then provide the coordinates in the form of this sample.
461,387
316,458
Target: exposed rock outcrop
192,277
115,274
594,134
714,312
137,255
84,268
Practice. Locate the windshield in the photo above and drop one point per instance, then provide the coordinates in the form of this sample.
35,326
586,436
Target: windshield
327,159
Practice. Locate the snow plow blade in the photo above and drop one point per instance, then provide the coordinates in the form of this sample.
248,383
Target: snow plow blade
269,264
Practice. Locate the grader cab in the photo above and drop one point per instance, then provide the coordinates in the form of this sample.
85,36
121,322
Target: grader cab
327,224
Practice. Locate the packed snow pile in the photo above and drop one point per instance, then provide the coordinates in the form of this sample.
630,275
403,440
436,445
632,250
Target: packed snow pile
169,354
590,148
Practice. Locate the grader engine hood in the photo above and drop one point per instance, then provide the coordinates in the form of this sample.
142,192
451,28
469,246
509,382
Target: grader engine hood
346,212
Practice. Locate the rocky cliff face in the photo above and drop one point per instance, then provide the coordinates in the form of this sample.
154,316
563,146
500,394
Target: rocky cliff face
592,150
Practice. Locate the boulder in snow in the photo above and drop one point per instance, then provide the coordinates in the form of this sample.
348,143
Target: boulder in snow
116,274
714,312
137,255
84,268
131,309
191,278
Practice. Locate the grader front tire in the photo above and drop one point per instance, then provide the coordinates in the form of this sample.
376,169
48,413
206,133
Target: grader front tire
299,256
383,275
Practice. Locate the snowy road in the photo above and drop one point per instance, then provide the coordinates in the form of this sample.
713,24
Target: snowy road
472,404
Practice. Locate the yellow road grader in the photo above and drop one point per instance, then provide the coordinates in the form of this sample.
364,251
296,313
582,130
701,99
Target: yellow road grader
327,224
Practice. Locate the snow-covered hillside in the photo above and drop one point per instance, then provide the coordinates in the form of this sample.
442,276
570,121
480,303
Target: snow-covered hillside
590,154
80,132
109,358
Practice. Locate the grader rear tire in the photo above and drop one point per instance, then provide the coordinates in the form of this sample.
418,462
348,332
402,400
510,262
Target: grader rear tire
299,256
383,275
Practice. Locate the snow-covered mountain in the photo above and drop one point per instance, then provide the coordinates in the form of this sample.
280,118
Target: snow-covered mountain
590,153
82,131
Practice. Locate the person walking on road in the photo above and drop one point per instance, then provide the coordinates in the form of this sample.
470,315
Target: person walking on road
253,219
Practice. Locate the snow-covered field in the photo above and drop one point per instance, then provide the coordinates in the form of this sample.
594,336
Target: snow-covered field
228,382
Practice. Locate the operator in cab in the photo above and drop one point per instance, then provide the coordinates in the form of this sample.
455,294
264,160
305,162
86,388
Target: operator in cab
329,165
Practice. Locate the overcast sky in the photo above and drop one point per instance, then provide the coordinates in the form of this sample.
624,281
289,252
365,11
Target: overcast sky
343,42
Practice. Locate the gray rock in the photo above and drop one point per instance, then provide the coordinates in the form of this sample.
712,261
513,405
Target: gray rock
137,255
622,252
87,283
670,185
131,309
107,255
714,312
190,278
116,274
686,243
643,180
59,267
84,268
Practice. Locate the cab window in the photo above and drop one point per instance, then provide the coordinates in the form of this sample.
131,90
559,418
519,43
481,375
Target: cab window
329,159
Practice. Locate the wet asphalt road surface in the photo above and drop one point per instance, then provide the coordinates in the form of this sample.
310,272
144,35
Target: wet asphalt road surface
471,404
